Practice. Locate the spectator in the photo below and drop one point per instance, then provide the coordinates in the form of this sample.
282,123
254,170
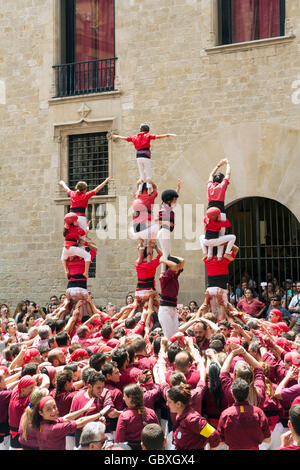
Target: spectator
250,305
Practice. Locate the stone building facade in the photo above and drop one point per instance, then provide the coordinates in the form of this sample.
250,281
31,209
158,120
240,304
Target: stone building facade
237,100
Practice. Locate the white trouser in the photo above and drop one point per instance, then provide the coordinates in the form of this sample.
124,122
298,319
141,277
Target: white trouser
223,229
144,166
214,292
275,438
82,223
164,238
168,318
75,251
70,443
208,245
148,234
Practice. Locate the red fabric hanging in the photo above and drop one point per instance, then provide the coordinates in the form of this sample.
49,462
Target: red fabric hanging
94,39
269,19
244,20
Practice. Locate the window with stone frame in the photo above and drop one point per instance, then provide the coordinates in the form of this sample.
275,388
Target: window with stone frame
88,160
249,20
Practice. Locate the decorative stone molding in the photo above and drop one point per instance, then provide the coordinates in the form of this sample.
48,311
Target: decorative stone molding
244,46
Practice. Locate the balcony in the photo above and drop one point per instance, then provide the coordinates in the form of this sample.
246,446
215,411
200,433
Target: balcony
81,78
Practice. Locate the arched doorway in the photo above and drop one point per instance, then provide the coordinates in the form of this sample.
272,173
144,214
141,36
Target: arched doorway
268,235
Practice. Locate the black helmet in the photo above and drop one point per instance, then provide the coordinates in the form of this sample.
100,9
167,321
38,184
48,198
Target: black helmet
218,178
168,195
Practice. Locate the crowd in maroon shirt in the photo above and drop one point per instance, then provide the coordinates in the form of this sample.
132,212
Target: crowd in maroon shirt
186,381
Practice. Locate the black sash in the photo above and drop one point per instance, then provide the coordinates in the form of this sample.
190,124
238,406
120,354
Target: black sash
219,204
146,283
81,210
167,301
218,281
210,234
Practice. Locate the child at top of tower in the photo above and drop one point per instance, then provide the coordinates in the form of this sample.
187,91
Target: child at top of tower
141,142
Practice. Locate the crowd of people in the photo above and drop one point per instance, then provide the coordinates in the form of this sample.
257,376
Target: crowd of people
152,374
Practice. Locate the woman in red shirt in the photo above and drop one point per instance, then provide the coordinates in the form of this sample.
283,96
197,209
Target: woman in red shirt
132,421
192,430
52,429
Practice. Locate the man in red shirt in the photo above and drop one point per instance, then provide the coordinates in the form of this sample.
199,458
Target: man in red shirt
141,142
242,426
250,305
128,374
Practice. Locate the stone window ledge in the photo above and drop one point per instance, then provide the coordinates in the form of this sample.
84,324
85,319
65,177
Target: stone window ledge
85,97
244,46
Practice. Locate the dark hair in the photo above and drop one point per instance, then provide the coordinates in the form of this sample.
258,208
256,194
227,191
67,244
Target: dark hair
153,437
172,351
86,373
106,331
156,345
29,369
120,355
73,366
174,259
180,393
240,389
144,127
176,378
136,394
131,352
294,416
51,323
168,195
97,361
214,383
59,325
218,336
62,338
95,377
218,178
108,368
216,345
139,344
130,323
61,380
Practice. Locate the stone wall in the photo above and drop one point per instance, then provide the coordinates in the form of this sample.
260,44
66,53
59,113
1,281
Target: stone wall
234,101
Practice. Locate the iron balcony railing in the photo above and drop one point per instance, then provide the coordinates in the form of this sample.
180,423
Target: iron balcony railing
92,76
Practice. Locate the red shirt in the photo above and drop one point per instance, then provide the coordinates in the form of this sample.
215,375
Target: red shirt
16,408
143,362
73,233
242,426
116,395
251,308
193,431
169,284
192,377
129,376
141,140
130,424
63,401
216,191
148,201
52,435
80,199
291,447
81,398
218,268
146,270
215,225
77,265
259,382
4,402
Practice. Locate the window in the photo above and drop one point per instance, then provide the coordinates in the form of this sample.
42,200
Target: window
88,160
87,47
248,20
268,236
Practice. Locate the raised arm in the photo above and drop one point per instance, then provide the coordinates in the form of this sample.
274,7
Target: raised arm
118,137
64,186
214,171
228,171
97,189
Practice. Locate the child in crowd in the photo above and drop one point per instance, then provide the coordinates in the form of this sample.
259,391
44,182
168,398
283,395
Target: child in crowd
141,142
